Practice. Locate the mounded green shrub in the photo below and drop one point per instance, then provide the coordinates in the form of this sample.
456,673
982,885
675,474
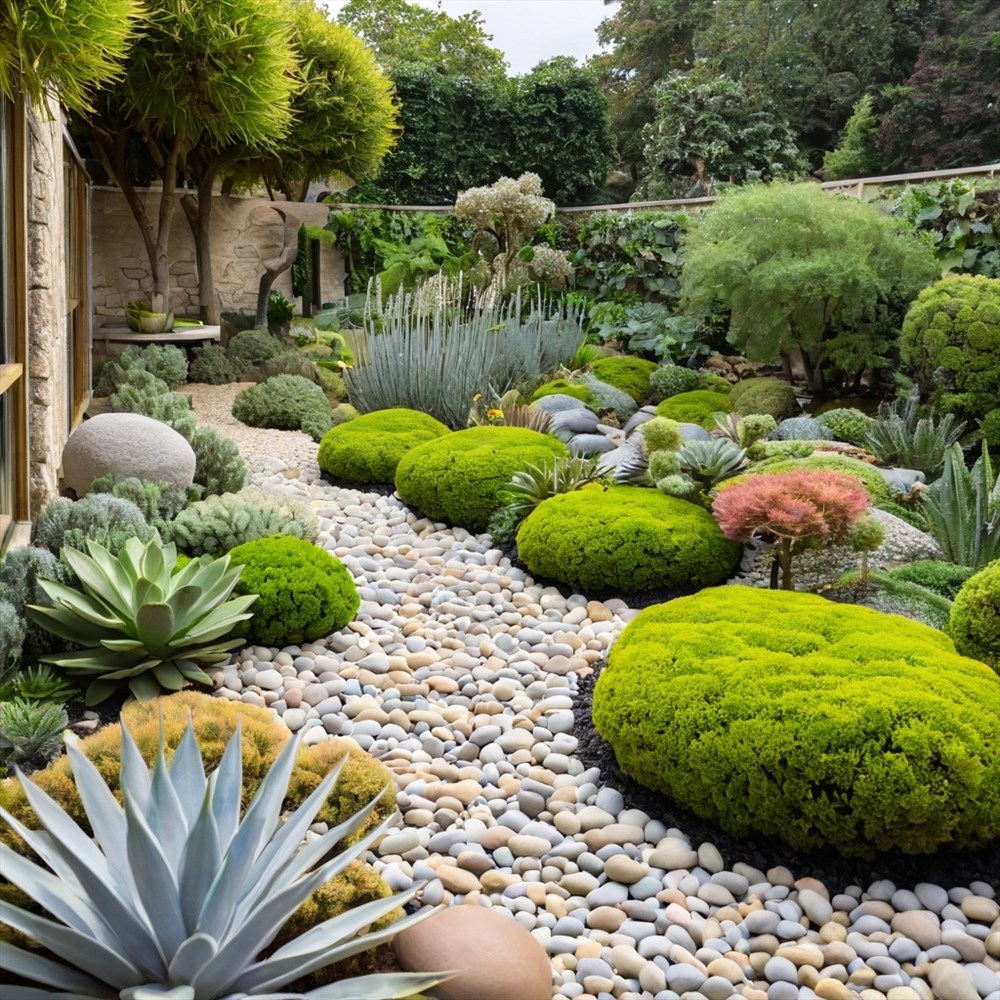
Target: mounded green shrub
765,395
669,380
975,616
285,402
847,424
625,539
878,489
824,724
942,577
695,407
213,366
566,388
630,375
368,448
989,428
304,593
457,478
250,348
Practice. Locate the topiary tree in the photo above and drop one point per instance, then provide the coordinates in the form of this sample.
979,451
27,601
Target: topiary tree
975,616
951,343
804,270
793,509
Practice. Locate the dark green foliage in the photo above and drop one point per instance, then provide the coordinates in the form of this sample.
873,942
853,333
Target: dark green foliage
106,519
847,728
975,616
989,429
847,424
631,375
901,436
625,540
304,593
158,502
942,577
458,478
45,683
250,348
30,729
951,343
696,407
212,365
774,396
288,363
284,402
368,448
670,380
164,362
219,466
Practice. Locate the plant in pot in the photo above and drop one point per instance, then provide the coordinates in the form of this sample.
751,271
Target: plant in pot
142,319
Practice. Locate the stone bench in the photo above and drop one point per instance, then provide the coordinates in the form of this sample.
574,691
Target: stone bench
185,338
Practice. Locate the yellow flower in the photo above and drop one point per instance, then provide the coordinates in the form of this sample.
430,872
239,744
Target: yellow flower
478,396
495,414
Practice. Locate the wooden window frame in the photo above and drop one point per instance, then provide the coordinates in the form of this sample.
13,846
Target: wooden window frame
79,309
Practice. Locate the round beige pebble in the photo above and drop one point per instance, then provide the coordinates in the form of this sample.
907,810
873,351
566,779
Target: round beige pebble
621,868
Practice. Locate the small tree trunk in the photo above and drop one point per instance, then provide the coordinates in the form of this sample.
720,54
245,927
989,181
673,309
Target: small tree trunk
785,555
199,216
279,264
775,569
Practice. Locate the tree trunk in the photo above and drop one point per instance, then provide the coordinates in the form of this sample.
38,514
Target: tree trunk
159,299
279,264
785,555
813,369
775,568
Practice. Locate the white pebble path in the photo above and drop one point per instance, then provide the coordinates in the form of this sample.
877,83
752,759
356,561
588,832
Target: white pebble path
459,674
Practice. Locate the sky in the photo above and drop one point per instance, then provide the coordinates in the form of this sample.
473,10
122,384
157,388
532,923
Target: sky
528,31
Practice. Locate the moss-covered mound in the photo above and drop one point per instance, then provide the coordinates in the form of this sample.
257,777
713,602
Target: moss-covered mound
564,387
368,448
975,616
822,724
696,407
625,540
878,489
631,375
457,478
764,395
304,593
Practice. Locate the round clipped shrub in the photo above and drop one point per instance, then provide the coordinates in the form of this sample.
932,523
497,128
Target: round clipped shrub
764,395
457,478
250,348
368,448
284,402
847,424
696,407
304,593
669,380
564,387
625,539
878,489
842,726
951,343
630,375
975,616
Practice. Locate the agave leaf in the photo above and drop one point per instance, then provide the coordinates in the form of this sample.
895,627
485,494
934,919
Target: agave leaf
191,958
98,691
164,812
122,645
42,844
39,969
102,579
132,670
156,992
120,581
29,993
185,602
153,566
82,606
385,986
199,864
225,786
97,660
154,624
187,772
134,773
168,676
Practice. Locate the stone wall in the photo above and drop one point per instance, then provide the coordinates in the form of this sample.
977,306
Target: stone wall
246,232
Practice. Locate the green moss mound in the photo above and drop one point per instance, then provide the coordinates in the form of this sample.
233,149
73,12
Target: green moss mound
820,723
566,388
304,593
368,448
696,407
878,489
625,540
630,375
975,616
941,577
457,478
765,395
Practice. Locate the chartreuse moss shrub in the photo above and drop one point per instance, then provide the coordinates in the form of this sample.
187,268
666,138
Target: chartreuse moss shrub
878,489
765,395
625,539
975,616
564,387
630,375
827,725
696,407
368,448
304,593
941,577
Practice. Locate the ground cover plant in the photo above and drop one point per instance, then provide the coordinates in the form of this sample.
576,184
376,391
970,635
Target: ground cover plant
699,406
975,616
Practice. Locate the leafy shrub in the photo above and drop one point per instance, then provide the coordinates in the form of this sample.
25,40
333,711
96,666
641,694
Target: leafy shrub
902,437
670,380
304,593
212,365
764,395
284,402
951,343
12,630
697,407
30,729
989,429
624,539
342,413
103,518
847,424
630,375
219,466
802,429
250,348
878,489
220,523
165,362
143,393
975,617
941,577
368,448
288,363
848,728
458,478
157,502
884,592
20,572
701,466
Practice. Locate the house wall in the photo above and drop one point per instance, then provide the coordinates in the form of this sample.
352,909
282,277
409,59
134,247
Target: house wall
246,232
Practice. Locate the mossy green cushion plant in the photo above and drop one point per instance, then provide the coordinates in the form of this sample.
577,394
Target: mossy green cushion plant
975,616
625,540
458,478
631,375
878,489
765,395
564,387
824,724
368,448
696,407
304,593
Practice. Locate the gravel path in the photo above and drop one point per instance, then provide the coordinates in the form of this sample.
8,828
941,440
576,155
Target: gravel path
464,677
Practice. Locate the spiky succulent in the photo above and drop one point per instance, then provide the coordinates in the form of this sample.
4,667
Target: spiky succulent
140,620
177,896
28,728
708,463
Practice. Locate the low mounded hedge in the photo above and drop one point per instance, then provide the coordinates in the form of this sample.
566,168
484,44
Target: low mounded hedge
975,616
765,395
695,407
457,478
823,724
564,387
368,448
625,539
285,402
630,375
304,593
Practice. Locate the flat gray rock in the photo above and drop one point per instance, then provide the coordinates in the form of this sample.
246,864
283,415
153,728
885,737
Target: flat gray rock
559,402
590,444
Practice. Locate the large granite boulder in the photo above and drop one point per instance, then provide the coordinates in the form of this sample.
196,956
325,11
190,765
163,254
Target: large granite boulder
494,957
125,444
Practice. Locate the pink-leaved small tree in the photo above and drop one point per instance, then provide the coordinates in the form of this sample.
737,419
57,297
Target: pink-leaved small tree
797,510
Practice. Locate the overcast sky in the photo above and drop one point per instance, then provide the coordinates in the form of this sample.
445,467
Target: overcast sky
528,31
